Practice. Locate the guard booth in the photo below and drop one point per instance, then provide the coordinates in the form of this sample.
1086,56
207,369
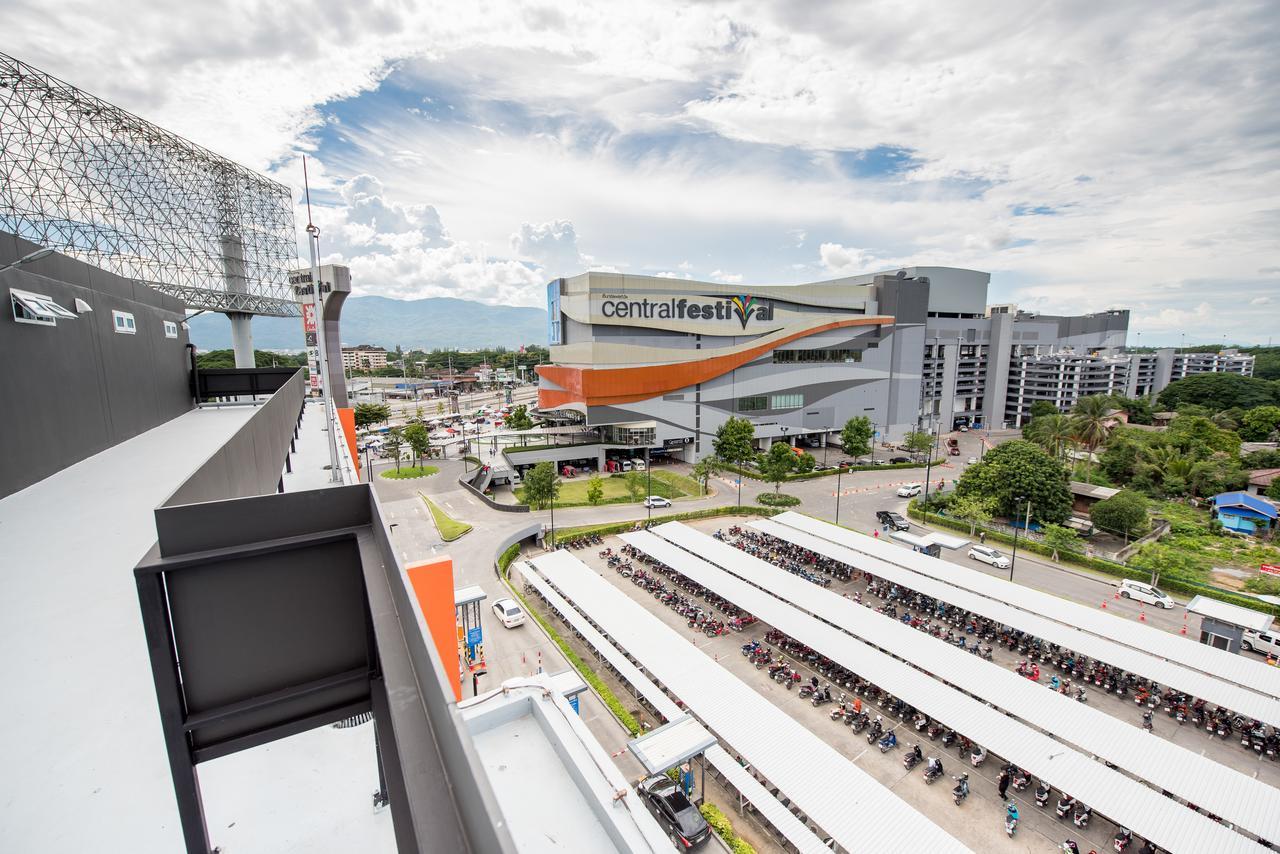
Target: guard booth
1223,625
931,543
466,604
674,745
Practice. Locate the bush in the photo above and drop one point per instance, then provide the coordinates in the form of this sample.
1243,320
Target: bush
720,823
754,474
565,535
777,499
1267,585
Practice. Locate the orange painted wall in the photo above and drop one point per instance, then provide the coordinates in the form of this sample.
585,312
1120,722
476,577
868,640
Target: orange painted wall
432,582
347,417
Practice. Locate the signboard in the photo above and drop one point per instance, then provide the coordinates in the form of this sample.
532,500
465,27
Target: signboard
573,704
727,310
310,330
675,443
473,636
1271,568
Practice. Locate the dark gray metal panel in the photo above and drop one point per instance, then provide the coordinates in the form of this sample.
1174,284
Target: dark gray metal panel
250,625
83,387
183,529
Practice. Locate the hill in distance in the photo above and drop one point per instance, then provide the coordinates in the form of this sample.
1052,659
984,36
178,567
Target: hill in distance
425,324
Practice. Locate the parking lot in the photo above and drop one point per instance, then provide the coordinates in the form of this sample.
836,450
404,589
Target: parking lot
979,821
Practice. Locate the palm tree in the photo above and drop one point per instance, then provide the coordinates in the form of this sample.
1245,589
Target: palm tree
1091,422
1052,432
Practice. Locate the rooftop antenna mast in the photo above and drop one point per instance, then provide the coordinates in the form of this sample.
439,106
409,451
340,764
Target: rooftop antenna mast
313,244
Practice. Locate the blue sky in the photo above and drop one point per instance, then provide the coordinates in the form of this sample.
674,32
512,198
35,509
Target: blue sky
1089,158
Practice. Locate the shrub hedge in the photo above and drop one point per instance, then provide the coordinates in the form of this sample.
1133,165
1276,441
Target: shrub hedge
777,499
720,823
755,475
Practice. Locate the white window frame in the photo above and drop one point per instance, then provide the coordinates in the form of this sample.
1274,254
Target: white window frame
44,310
129,326
170,329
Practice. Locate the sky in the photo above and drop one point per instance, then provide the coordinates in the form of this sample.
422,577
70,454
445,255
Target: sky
1088,156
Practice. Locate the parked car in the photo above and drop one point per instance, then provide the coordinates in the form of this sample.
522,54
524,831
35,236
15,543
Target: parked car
673,810
1139,592
909,490
637,464
988,555
900,459
973,461
508,612
1264,642
893,520
656,501
624,465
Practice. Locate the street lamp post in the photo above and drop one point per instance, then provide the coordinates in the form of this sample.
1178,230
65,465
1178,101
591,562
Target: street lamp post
1014,558
839,475
648,489
553,509
928,472
27,259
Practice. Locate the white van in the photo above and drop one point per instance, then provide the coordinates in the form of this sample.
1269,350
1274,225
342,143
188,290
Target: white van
624,465
1263,642
1139,592
637,464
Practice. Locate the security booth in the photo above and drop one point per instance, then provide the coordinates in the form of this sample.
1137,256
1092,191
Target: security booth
673,745
1223,625
466,604
931,543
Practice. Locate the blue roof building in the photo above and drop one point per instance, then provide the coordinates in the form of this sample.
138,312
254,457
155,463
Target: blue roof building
1245,513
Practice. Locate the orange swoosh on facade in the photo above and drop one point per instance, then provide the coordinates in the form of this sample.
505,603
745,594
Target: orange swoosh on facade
606,386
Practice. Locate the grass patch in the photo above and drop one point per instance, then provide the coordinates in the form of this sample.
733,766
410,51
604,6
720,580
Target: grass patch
573,491
777,499
450,528
597,684
754,474
410,472
724,829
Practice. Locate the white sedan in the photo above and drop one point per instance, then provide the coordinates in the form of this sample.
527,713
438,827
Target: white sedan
656,501
509,613
988,555
909,490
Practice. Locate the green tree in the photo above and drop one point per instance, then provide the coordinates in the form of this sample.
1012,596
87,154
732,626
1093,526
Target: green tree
393,444
1171,561
1019,468
972,509
595,489
1198,437
419,441
1217,392
1273,489
918,441
1061,540
1091,422
1124,513
805,462
1125,449
371,413
635,482
540,485
1041,408
519,419
1052,432
777,463
734,440
855,436
1219,473
1259,424
705,469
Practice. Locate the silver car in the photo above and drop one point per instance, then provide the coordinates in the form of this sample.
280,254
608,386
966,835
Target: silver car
988,555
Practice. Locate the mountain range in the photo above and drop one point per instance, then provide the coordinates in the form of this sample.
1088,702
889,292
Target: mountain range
422,324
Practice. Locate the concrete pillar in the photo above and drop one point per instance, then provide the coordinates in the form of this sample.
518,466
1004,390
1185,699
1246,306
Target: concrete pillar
242,339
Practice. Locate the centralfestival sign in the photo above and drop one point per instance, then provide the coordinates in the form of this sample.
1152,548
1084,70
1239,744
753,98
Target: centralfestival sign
740,308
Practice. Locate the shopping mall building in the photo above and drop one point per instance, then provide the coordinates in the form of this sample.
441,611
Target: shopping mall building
661,363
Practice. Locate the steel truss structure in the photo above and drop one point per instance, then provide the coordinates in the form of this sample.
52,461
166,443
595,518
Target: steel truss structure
93,181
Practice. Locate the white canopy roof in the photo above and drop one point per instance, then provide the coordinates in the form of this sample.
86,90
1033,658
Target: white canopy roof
1221,790
842,799
792,829
671,744
1225,612
1082,621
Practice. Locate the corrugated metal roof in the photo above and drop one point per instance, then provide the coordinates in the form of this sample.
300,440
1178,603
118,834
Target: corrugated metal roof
1221,790
1129,802
1219,665
1225,612
671,744
842,799
792,829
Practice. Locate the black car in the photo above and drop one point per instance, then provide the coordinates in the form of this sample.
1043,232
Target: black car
673,810
893,520
898,460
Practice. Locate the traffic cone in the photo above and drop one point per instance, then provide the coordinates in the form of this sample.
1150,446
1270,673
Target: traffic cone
1117,596
1142,616
1104,604
1184,628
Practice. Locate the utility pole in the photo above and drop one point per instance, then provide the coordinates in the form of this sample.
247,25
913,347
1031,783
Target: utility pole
313,244
1014,558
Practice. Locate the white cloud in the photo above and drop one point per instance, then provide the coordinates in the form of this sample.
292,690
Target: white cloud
553,245
708,135
727,278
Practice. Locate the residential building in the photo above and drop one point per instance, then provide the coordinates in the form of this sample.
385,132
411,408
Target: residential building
364,357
